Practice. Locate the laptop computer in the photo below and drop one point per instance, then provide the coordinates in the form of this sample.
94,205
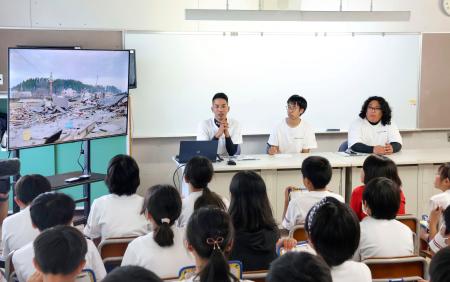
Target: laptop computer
190,149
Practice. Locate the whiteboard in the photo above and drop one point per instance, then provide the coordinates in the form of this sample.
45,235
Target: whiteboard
177,75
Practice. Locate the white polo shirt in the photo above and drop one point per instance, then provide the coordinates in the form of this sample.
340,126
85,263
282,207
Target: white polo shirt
163,261
208,128
116,216
362,131
300,204
293,139
384,238
351,271
440,200
17,231
24,267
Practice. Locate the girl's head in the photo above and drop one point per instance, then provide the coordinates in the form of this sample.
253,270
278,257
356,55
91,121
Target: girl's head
381,197
379,166
162,205
249,207
122,177
442,180
209,236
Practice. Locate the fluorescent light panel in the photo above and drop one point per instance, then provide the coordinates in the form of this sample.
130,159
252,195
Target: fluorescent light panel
291,15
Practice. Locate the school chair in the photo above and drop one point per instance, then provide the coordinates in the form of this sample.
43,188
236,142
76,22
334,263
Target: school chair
255,276
413,223
10,274
298,233
424,249
112,250
384,269
343,147
86,275
189,271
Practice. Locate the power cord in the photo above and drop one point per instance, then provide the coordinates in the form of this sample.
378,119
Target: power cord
79,156
176,176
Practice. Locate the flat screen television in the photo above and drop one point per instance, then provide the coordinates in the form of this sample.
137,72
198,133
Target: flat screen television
62,95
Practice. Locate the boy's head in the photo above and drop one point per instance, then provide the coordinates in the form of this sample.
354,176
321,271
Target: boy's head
220,106
333,230
198,172
60,250
28,187
296,106
51,209
380,166
439,267
316,172
300,267
442,180
131,273
381,197
122,177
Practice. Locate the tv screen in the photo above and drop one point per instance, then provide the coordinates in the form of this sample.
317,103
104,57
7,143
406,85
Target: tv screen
58,96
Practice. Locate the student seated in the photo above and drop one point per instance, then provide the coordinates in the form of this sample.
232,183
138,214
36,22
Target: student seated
299,267
17,230
439,235
198,173
316,173
333,231
439,267
118,214
256,232
381,234
131,273
46,211
376,166
161,251
59,254
209,237
293,134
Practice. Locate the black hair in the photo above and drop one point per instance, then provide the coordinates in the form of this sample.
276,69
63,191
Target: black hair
317,170
299,101
30,186
59,250
382,196
122,177
163,203
444,171
446,216
439,270
380,166
334,231
210,233
199,172
300,267
51,209
249,207
220,96
385,109
131,273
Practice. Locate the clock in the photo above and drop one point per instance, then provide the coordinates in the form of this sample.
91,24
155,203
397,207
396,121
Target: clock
446,6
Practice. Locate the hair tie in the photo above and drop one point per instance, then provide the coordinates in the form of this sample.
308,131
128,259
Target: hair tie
165,220
215,242
313,211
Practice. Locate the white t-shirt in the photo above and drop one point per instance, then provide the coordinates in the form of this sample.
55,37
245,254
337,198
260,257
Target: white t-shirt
24,267
300,204
17,231
384,238
293,139
440,200
187,208
116,216
208,128
351,271
163,261
362,131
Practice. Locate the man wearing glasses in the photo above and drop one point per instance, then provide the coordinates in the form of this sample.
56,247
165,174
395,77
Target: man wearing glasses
293,134
373,131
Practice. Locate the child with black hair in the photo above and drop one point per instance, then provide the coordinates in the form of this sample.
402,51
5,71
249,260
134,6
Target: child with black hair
162,250
439,270
131,273
209,236
198,173
381,234
333,231
299,267
118,214
17,230
59,254
316,172
46,211
440,239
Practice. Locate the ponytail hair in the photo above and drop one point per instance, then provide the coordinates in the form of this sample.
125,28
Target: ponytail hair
210,233
209,198
163,203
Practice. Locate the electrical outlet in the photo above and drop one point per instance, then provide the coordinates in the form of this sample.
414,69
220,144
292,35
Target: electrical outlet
448,136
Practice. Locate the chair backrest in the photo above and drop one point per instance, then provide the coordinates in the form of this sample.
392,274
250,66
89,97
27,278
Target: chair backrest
112,250
86,275
298,233
343,147
255,276
397,267
413,223
10,273
189,271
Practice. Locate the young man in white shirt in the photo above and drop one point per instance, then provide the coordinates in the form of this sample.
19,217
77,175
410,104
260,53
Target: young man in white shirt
293,134
17,230
381,234
226,130
373,131
46,211
316,173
